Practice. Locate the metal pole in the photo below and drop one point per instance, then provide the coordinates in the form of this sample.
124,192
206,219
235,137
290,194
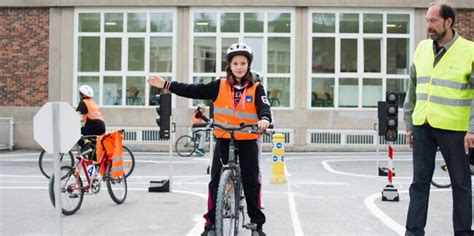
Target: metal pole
11,133
390,162
56,155
170,150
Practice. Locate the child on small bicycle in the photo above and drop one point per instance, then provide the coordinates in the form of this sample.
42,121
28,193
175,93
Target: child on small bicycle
237,98
199,118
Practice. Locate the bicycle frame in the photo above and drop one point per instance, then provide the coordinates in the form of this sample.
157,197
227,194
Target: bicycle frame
230,178
82,165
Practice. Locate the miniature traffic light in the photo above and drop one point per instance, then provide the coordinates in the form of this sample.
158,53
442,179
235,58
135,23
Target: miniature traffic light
163,108
391,118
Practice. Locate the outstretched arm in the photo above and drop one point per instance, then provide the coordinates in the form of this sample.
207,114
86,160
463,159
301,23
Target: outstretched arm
196,91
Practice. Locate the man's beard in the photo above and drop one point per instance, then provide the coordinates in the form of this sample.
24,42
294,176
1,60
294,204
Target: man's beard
438,35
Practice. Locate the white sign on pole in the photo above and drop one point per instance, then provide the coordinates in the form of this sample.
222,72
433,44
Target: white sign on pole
69,127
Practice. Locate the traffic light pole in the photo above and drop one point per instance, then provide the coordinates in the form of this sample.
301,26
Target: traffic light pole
170,150
390,193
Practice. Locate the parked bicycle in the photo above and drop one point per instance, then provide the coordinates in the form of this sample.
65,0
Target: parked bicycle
72,188
441,174
230,195
186,145
45,161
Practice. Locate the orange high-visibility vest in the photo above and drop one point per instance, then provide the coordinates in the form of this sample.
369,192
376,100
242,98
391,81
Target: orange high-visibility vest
93,112
110,146
195,120
226,114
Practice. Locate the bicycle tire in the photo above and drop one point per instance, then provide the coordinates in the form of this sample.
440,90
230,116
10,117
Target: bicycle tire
128,161
440,177
185,146
117,187
227,212
47,168
66,193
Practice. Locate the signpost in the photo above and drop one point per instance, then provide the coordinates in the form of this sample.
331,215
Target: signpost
56,128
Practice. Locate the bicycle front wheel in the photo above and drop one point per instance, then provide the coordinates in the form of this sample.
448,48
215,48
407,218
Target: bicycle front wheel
46,162
128,161
71,191
227,205
441,174
117,186
185,146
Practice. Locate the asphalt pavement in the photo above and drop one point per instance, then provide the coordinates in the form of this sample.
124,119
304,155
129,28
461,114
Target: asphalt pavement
325,194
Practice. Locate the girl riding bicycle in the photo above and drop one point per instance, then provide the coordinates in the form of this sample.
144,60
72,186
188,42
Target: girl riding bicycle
237,98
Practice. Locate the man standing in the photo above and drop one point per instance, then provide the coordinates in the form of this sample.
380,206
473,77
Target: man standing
438,112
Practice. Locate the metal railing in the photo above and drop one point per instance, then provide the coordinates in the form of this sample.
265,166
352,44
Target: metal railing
7,125
328,137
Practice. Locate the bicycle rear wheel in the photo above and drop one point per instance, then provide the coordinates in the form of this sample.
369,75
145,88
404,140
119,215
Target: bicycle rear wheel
441,175
46,163
71,189
227,205
117,187
128,161
185,146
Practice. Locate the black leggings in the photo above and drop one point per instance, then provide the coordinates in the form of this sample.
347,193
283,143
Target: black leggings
248,157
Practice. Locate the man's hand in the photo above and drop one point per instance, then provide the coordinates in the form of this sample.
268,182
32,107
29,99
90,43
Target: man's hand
156,81
468,142
409,138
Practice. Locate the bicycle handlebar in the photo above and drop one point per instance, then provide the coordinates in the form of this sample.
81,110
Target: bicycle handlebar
242,126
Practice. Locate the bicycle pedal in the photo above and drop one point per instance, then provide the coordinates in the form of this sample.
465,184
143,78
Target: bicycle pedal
74,195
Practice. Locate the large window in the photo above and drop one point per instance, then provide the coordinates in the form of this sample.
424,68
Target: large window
357,56
270,34
116,50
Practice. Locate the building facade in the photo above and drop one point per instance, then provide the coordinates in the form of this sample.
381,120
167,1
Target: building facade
324,64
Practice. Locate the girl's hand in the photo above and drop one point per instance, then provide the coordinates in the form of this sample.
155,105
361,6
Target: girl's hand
156,81
263,124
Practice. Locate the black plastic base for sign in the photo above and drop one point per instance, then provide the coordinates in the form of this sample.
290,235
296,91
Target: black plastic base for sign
383,171
160,186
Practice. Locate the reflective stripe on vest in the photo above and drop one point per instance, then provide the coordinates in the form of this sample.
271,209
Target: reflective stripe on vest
444,93
93,112
226,114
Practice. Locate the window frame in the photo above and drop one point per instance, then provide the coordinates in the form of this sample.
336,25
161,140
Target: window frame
360,36
125,36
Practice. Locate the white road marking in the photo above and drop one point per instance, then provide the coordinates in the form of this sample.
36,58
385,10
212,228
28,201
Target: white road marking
294,214
326,165
369,202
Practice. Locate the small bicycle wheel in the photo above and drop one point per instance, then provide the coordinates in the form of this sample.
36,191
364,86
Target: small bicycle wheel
46,162
117,186
185,146
71,191
128,161
441,175
227,205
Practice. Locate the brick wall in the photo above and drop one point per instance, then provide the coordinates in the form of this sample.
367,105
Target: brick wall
24,40
465,23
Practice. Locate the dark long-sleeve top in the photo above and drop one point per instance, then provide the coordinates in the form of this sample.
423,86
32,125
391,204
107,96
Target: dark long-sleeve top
211,91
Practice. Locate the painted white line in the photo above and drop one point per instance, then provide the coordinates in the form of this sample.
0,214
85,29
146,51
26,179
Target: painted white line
370,204
294,214
199,220
20,154
131,177
326,165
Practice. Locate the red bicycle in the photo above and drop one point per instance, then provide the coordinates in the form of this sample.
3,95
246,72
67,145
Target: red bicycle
108,168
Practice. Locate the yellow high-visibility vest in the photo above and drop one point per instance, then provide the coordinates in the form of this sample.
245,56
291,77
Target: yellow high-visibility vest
444,92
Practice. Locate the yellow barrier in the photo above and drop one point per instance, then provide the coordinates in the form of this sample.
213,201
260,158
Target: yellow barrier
278,166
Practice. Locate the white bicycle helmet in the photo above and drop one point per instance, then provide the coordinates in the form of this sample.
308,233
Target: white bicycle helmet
86,90
239,49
